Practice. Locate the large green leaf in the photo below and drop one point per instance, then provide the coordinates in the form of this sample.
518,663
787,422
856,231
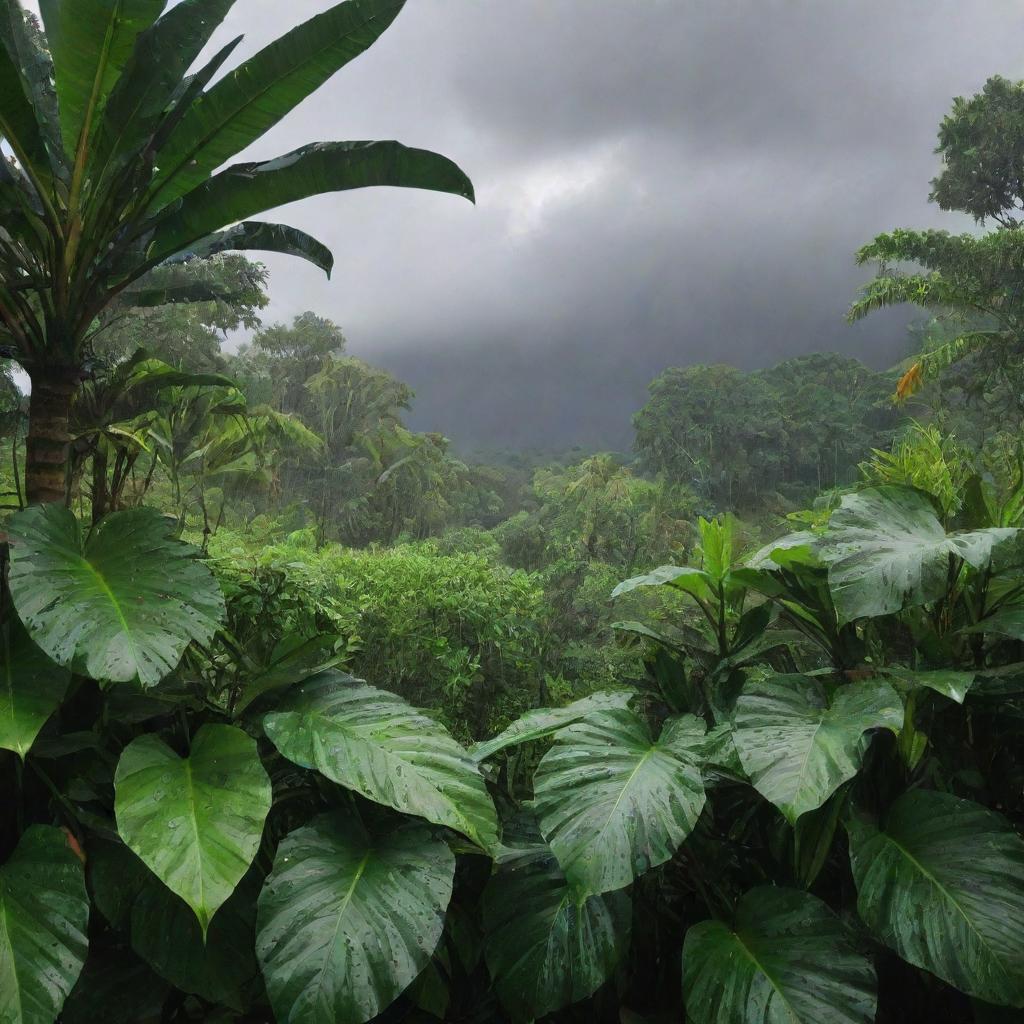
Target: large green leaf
253,234
347,921
31,689
196,822
942,883
541,722
796,746
256,95
787,960
613,802
44,913
547,945
682,577
20,117
91,42
373,742
886,550
244,190
163,54
119,603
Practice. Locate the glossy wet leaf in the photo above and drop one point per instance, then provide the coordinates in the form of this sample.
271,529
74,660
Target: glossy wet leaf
548,946
949,682
541,722
373,742
347,921
886,550
613,802
118,602
942,883
31,688
797,747
787,959
196,821
682,577
44,914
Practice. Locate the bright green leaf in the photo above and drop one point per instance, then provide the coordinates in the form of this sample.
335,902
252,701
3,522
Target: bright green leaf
31,689
541,722
797,747
683,577
195,821
612,802
118,603
373,742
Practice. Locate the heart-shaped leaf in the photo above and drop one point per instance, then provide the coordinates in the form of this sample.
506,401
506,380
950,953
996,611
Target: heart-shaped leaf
347,921
196,822
373,742
613,802
118,603
44,914
942,883
548,946
796,747
787,960
30,691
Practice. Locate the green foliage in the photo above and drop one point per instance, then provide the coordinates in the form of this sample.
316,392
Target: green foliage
738,437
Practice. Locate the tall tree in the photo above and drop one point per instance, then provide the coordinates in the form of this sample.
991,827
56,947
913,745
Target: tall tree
975,283
116,148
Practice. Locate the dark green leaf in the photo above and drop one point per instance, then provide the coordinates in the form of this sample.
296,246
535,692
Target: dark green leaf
942,883
244,190
347,921
546,945
789,960
256,95
44,913
257,235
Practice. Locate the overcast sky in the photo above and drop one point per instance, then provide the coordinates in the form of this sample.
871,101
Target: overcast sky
660,182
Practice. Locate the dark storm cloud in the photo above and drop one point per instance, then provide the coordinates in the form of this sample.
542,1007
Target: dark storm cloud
660,182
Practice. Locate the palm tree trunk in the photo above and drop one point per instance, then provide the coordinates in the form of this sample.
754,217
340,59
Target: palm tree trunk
48,443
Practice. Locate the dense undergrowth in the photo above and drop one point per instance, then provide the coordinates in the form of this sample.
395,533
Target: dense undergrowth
305,719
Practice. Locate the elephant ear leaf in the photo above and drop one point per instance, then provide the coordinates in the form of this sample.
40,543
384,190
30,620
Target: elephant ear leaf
118,603
347,921
542,722
196,822
548,945
31,689
886,549
942,883
44,916
613,802
373,742
798,748
787,959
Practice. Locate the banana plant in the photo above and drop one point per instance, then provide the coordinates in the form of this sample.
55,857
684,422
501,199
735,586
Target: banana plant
119,138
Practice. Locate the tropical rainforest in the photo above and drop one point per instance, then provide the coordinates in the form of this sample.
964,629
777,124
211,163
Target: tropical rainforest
310,717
